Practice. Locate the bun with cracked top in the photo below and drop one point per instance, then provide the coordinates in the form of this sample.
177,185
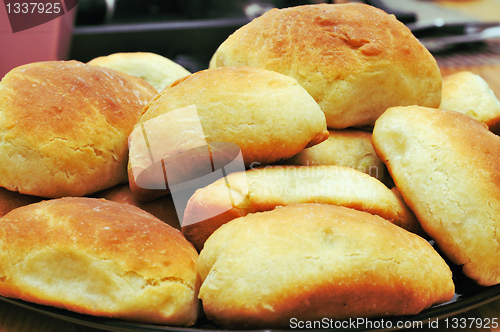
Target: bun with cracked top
354,59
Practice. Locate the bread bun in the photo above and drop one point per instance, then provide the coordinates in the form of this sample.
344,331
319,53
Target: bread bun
265,115
64,127
470,94
354,59
446,166
157,70
100,258
348,147
311,261
263,189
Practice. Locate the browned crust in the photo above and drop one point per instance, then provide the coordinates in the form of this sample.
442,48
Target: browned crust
127,253
64,127
354,59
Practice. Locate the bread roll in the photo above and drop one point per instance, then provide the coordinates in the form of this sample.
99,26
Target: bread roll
263,189
64,127
348,147
265,115
162,208
311,261
354,59
446,166
470,94
157,70
100,258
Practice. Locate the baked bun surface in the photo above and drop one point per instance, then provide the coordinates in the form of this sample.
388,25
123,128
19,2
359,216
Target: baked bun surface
348,147
263,189
355,60
267,115
310,261
470,94
157,70
100,258
64,127
446,166
162,208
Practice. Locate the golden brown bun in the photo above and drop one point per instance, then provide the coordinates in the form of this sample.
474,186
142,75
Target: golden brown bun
162,208
470,94
355,60
267,115
64,127
447,167
310,261
10,200
265,188
157,70
99,258
348,147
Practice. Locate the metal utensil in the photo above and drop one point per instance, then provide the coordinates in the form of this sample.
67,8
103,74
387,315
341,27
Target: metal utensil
440,38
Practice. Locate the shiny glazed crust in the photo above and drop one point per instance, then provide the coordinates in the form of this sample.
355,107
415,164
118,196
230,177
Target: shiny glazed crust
310,261
446,166
99,258
64,127
354,59
264,189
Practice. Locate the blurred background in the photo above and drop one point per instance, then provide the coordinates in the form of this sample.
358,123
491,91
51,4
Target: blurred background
189,31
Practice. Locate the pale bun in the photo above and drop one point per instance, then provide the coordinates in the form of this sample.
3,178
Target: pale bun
311,261
265,115
446,166
263,189
156,69
347,147
469,93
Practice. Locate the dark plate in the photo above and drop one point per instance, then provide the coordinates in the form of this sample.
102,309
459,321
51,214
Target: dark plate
468,295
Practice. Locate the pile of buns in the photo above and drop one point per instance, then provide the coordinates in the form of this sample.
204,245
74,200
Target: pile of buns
300,177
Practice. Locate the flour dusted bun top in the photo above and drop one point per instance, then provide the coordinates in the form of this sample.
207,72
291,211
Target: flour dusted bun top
64,127
355,60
